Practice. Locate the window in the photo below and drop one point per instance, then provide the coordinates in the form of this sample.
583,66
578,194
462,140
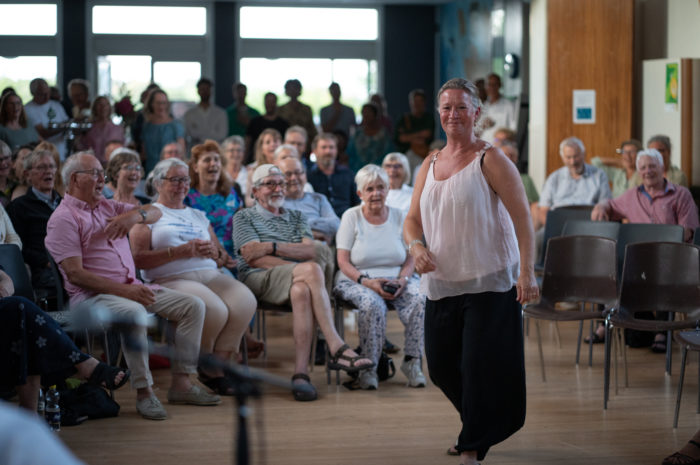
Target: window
28,20
150,20
309,23
17,72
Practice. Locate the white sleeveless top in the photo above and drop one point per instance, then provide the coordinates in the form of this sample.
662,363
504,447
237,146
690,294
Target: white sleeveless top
470,232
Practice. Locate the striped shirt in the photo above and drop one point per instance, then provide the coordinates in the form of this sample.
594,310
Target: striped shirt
261,225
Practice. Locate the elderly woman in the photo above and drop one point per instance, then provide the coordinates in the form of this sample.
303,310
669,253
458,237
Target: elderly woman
7,185
19,174
159,128
399,172
181,252
234,150
124,173
265,147
375,269
477,266
14,129
102,130
371,141
8,235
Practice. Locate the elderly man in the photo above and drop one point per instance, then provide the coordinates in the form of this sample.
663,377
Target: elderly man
41,111
280,262
31,212
87,238
172,150
576,183
206,120
334,181
319,214
297,136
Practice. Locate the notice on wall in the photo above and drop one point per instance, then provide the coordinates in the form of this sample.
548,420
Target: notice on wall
671,94
584,106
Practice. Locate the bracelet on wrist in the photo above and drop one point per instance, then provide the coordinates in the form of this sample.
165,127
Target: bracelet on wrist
413,243
361,277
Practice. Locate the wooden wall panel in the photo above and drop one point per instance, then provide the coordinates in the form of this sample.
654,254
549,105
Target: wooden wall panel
590,45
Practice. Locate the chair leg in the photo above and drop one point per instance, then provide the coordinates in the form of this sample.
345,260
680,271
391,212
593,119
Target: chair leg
590,344
578,344
697,409
606,366
539,347
624,356
105,341
684,354
669,343
557,335
314,343
616,355
263,323
244,350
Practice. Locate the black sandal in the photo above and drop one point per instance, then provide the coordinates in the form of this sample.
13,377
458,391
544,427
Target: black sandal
220,384
103,375
308,392
351,368
678,458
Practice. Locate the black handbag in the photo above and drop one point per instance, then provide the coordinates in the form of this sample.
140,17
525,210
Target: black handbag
87,401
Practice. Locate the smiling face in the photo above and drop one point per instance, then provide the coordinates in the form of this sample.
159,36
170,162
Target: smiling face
42,175
573,159
629,156
373,195
129,176
269,144
87,183
173,189
208,168
233,153
295,176
663,150
394,169
457,114
326,152
270,193
652,173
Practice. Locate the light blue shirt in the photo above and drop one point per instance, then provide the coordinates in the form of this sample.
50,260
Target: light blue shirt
561,189
318,212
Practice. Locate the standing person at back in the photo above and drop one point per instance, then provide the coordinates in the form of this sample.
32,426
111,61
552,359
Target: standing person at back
334,181
336,115
239,114
498,111
41,111
207,120
296,112
270,120
415,130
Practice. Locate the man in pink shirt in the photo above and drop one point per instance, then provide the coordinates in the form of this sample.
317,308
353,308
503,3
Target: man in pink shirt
86,235
657,200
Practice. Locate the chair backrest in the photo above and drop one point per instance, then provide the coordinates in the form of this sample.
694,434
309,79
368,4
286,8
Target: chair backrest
580,269
609,229
661,276
557,218
631,233
12,261
696,236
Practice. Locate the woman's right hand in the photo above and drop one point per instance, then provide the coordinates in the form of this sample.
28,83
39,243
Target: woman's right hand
424,259
376,285
197,248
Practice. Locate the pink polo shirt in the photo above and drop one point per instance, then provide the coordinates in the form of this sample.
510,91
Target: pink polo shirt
77,230
674,206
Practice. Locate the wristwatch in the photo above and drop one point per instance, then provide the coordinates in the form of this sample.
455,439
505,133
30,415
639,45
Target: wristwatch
143,214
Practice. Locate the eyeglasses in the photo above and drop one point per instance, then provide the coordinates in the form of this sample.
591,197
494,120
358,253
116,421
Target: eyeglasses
95,173
178,180
289,174
132,168
44,168
4,159
272,185
396,166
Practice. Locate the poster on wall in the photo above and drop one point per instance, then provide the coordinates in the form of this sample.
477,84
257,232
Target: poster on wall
671,93
584,106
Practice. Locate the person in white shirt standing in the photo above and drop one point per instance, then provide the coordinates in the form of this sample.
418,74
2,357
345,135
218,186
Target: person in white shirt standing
41,111
498,111
206,120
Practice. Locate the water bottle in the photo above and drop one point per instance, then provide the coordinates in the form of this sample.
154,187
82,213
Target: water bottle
53,409
40,404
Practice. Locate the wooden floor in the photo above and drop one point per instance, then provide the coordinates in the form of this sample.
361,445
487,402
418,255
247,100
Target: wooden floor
397,425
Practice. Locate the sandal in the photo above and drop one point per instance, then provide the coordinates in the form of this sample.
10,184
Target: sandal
220,384
333,363
678,458
452,451
659,347
103,375
596,339
303,392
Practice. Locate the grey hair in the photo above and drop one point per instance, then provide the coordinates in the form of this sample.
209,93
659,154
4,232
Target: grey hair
369,174
651,153
401,158
299,130
574,142
285,148
73,164
5,149
35,83
79,82
35,156
119,150
465,86
233,140
662,139
161,170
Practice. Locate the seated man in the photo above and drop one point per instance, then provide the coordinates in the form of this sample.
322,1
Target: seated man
279,261
317,210
30,213
87,238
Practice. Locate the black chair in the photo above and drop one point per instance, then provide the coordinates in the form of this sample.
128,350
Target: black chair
12,261
689,340
556,219
609,229
577,269
657,276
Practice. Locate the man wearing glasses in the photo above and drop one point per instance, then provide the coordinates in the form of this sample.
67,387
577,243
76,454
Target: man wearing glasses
281,263
30,213
87,238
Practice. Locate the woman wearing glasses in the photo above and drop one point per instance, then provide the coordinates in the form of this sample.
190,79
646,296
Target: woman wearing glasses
181,252
124,174
396,166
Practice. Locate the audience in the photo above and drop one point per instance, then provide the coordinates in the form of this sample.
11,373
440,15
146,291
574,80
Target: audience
86,235
103,130
265,147
41,111
238,113
621,172
370,142
159,128
270,120
172,150
375,269
330,179
415,130
295,112
8,235
662,144
336,115
7,185
233,153
383,116
510,149
18,173
206,120
124,172
399,193
180,251
14,129
79,94
497,111
297,136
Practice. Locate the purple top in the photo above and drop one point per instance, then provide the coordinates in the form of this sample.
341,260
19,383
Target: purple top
77,230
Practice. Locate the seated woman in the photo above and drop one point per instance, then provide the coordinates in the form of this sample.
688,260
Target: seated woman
374,270
7,184
265,147
14,129
181,252
370,141
103,130
396,166
233,152
34,349
124,173
8,235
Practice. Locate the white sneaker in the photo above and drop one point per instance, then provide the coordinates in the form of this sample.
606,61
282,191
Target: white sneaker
368,380
412,370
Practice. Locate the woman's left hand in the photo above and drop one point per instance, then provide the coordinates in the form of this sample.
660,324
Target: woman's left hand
527,287
401,283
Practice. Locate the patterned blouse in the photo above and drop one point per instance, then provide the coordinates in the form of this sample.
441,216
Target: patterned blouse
219,211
